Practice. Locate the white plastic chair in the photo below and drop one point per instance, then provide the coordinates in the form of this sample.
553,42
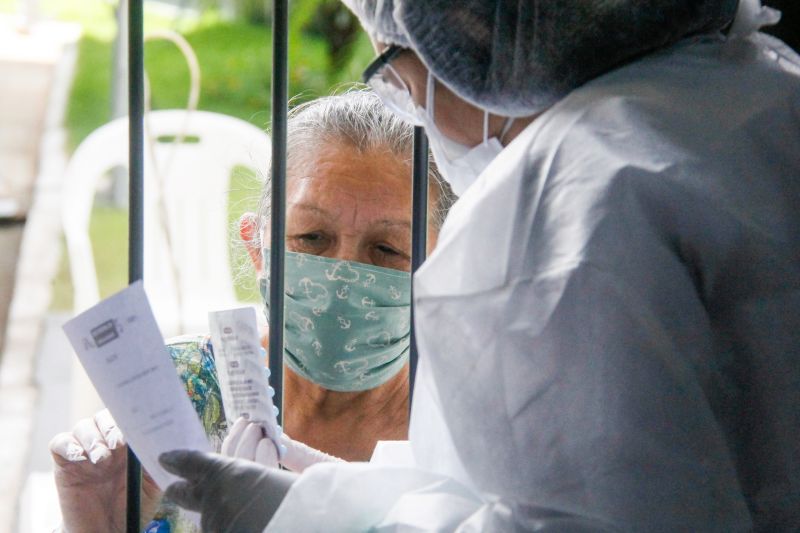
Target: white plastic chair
194,180
193,276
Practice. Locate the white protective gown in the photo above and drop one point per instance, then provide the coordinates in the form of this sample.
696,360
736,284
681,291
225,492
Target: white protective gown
609,327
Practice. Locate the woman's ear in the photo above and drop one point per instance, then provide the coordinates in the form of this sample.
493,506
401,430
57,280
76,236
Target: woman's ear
248,231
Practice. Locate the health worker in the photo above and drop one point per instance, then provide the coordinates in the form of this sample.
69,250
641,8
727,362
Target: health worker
609,327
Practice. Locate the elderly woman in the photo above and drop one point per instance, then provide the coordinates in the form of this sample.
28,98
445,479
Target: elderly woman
348,208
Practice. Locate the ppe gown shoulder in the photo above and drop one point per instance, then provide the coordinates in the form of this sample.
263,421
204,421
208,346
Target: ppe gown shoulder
609,327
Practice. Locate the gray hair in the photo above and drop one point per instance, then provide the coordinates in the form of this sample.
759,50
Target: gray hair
359,118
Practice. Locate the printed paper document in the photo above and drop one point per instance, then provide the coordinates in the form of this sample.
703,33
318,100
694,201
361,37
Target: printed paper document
120,346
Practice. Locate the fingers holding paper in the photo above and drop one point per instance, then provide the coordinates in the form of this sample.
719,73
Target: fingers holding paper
91,439
246,440
89,467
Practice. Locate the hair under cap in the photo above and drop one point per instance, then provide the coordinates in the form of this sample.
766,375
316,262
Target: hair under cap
517,57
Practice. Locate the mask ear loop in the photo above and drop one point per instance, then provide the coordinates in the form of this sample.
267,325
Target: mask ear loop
430,87
408,109
506,127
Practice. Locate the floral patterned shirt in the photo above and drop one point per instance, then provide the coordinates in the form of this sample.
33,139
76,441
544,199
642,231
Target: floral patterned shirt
193,357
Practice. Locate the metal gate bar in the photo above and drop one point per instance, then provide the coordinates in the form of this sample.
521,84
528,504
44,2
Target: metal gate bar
419,236
280,50
135,209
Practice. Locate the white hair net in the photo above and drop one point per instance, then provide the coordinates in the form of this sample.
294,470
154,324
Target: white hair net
517,57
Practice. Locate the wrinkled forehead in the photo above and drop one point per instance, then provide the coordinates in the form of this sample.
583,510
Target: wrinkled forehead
328,175
338,190
338,177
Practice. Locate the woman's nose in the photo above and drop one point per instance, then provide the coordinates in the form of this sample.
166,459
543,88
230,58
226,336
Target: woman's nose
350,249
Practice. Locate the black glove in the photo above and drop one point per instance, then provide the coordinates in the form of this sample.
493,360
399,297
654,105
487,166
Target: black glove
232,495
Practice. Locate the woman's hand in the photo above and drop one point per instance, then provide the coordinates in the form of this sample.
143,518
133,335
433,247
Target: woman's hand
90,474
246,440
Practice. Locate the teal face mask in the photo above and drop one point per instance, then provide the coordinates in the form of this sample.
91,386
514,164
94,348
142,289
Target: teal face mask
347,324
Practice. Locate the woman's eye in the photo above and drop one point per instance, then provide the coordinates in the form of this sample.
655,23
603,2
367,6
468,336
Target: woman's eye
392,254
310,237
390,257
310,242
388,250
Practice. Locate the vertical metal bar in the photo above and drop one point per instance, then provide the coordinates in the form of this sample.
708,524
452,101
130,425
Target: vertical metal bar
280,49
136,208
419,235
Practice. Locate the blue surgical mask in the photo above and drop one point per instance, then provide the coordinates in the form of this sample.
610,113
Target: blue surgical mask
347,324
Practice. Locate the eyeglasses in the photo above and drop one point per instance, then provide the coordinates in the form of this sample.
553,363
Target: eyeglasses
389,86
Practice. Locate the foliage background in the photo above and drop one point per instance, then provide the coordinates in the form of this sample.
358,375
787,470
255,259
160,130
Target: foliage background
232,40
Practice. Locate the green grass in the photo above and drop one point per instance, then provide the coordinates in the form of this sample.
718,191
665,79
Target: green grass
108,230
235,62
234,77
90,103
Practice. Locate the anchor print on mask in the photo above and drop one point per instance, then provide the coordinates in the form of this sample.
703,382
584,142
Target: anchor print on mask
317,347
343,292
343,322
315,292
353,367
366,301
394,294
372,316
342,271
381,340
369,279
351,345
303,322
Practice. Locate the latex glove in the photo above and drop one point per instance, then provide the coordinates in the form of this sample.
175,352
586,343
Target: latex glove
246,440
90,477
232,495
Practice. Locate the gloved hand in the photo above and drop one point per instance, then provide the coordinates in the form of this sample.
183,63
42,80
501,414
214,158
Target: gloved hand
91,480
246,440
232,495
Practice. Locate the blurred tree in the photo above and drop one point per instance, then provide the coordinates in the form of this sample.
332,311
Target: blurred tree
257,12
325,21
253,11
338,27
335,25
